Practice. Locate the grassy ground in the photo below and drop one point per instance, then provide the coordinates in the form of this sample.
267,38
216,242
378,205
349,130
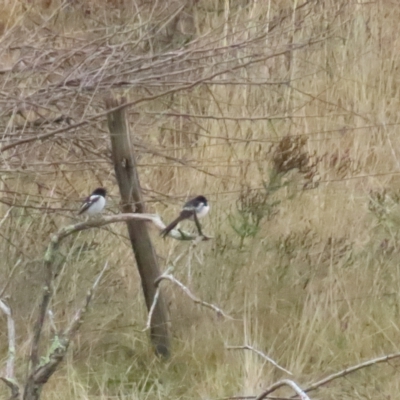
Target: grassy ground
297,152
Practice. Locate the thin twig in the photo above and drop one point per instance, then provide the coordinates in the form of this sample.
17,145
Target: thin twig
11,339
77,320
247,347
223,71
171,278
9,378
52,323
153,305
10,275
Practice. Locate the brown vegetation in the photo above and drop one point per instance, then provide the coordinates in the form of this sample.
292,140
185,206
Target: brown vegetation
283,116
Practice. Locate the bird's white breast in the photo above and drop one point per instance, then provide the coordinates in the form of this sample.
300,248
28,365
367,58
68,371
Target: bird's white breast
97,206
203,211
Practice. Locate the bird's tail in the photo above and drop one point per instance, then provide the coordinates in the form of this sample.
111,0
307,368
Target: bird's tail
171,226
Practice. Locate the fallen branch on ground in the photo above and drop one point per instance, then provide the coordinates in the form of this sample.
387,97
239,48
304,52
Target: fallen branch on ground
284,382
349,370
326,380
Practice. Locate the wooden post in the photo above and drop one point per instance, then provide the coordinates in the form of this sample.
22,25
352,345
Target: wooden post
132,201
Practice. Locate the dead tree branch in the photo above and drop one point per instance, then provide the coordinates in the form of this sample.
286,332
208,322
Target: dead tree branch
9,378
328,379
39,373
247,347
10,275
43,371
105,220
49,259
350,370
235,64
171,278
284,382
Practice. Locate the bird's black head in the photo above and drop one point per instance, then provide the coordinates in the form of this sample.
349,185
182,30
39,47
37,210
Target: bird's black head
201,199
100,192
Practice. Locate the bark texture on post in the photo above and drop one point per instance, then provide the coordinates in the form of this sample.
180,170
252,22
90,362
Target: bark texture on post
132,201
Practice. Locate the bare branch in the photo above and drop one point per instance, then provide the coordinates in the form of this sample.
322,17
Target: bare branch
50,254
47,293
349,370
176,57
15,391
284,382
151,311
10,275
76,322
52,323
9,378
98,222
329,378
41,374
172,279
247,347
153,306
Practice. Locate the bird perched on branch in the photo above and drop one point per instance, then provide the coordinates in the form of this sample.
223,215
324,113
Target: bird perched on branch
193,209
95,203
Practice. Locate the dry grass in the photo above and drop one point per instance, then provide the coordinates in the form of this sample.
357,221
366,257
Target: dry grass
297,152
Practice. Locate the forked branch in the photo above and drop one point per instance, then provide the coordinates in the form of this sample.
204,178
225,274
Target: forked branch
284,382
171,278
42,372
323,381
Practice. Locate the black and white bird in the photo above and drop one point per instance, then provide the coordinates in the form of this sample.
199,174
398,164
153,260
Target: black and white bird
95,203
193,209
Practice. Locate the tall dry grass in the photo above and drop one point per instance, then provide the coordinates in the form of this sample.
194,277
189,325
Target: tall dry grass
290,130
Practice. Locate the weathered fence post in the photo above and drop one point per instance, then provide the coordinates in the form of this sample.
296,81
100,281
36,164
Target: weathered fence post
132,201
